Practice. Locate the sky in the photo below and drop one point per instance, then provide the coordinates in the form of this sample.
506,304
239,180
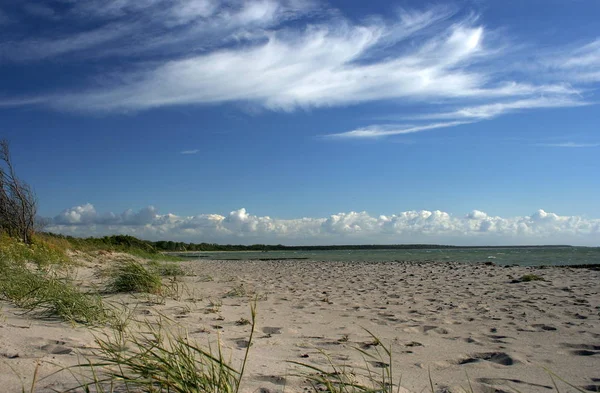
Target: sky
468,122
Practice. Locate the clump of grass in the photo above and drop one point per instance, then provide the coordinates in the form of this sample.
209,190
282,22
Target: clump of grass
214,306
166,269
238,291
48,294
162,359
132,276
528,278
242,322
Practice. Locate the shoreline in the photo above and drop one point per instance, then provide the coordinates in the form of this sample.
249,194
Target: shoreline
449,318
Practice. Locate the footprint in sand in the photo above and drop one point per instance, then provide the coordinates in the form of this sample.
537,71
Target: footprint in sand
271,330
589,347
56,348
494,357
502,381
584,352
543,327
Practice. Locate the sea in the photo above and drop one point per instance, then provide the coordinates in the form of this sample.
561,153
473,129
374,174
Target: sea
523,256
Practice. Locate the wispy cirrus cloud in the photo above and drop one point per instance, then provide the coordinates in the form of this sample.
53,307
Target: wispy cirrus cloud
201,52
16,102
488,111
391,129
422,226
569,145
315,66
581,64
123,28
188,152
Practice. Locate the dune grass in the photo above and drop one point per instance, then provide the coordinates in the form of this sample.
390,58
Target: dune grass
361,379
159,357
40,251
530,277
132,276
48,294
166,269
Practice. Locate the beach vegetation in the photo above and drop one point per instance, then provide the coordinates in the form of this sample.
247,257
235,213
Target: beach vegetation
48,294
530,277
115,243
214,306
132,276
160,357
18,203
238,291
166,269
38,251
242,322
375,376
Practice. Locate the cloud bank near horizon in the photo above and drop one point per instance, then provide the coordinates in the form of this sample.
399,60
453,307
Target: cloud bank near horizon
474,228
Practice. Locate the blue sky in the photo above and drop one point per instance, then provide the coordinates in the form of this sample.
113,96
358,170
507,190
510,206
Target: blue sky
307,122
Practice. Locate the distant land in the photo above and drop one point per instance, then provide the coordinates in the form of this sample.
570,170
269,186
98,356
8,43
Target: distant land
126,241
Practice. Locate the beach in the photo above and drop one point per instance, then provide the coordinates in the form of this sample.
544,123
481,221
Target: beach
492,327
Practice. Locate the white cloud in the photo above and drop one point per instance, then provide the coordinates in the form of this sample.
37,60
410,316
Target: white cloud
375,131
153,27
199,52
194,151
465,115
84,214
475,228
488,111
569,144
7,103
583,63
319,65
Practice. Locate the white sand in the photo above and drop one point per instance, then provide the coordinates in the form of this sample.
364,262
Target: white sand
449,319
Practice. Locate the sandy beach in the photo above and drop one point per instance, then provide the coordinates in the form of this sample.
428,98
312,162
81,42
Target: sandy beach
447,320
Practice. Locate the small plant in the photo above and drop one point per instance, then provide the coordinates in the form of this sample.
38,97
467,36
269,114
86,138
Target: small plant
343,339
166,269
345,379
132,276
214,306
238,291
242,322
528,278
161,359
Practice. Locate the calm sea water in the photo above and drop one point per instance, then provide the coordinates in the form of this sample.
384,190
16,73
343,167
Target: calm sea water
501,256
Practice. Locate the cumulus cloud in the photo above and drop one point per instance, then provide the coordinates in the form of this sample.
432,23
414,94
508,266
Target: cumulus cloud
87,215
239,226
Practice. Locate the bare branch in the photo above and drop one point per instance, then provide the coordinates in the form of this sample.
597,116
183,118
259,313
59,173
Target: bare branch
18,203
